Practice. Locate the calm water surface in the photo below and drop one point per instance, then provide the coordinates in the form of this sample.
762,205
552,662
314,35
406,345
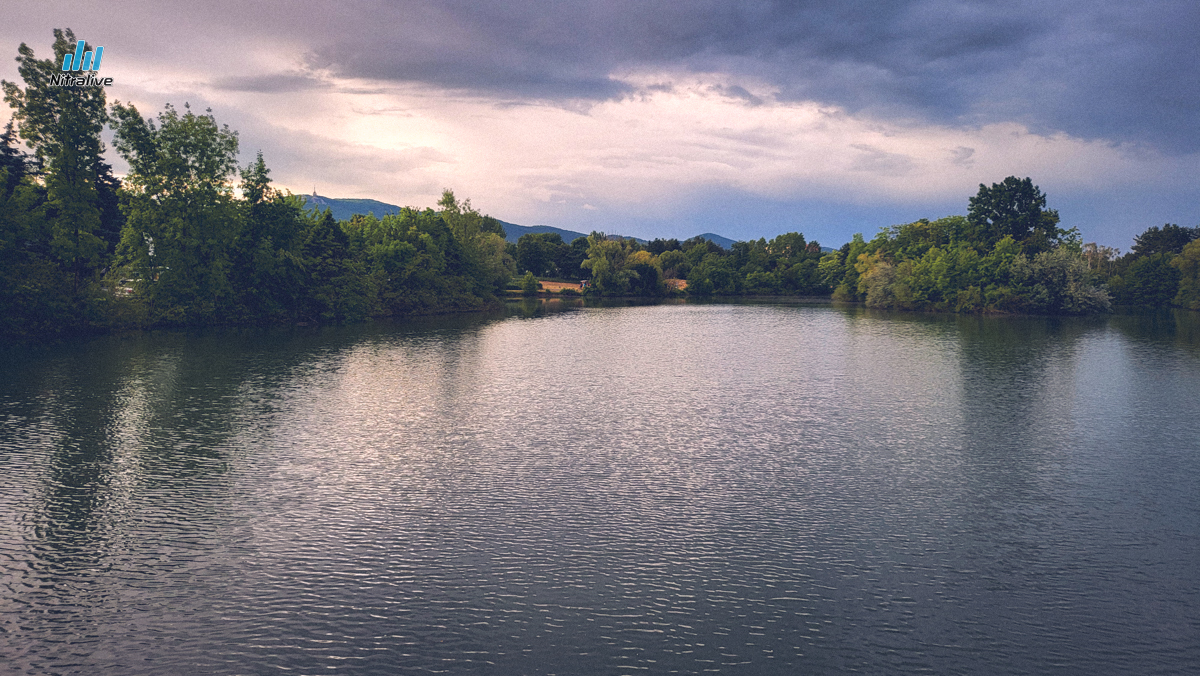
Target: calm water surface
736,489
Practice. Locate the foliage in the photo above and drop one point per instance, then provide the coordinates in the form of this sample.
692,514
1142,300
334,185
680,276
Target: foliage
175,244
180,211
414,264
1158,271
13,162
1058,283
481,238
268,270
1150,281
606,262
529,285
1008,255
62,126
1188,264
1169,239
539,253
1100,258
1013,208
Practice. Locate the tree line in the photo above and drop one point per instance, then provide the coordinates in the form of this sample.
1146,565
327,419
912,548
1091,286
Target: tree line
620,266
174,243
1007,255
188,237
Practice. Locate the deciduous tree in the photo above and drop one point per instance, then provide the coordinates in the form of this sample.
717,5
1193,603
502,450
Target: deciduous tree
481,237
1015,207
62,126
180,209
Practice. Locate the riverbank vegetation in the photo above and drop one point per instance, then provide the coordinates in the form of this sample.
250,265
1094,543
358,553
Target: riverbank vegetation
1007,255
188,237
1162,269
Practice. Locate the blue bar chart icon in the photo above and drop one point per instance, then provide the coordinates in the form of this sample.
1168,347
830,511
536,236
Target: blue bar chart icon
82,59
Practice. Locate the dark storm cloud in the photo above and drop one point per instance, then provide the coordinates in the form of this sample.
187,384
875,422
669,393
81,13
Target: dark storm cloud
1120,71
1098,69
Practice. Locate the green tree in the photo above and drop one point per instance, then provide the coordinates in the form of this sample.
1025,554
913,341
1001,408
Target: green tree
36,297
570,259
62,125
1100,258
1188,264
606,261
912,240
659,246
13,162
414,263
1169,239
334,289
267,269
529,285
1151,281
181,215
1015,208
1057,282
674,264
847,288
482,238
715,274
877,280
831,269
645,276
538,253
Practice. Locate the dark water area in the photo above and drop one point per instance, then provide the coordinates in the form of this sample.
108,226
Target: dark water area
755,488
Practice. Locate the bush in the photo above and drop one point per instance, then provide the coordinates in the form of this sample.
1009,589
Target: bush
530,285
1057,282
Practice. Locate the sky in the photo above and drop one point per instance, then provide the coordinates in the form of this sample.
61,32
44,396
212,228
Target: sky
659,118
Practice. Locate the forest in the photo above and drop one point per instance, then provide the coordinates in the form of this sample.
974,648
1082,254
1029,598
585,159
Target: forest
190,238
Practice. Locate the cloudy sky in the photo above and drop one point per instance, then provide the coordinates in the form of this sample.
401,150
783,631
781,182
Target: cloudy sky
656,118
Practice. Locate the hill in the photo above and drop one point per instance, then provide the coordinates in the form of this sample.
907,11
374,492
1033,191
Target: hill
723,242
343,209
513,232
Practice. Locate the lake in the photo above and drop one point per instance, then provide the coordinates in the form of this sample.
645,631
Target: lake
689,488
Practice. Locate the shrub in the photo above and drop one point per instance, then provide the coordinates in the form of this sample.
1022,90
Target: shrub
529,285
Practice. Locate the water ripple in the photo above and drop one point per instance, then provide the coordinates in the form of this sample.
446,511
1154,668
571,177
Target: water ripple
681,488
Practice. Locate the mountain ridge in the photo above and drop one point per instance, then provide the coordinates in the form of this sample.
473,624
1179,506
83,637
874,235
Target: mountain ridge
345,208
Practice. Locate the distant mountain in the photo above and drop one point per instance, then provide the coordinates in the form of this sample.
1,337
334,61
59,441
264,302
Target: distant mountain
513,232
344,209
723,242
